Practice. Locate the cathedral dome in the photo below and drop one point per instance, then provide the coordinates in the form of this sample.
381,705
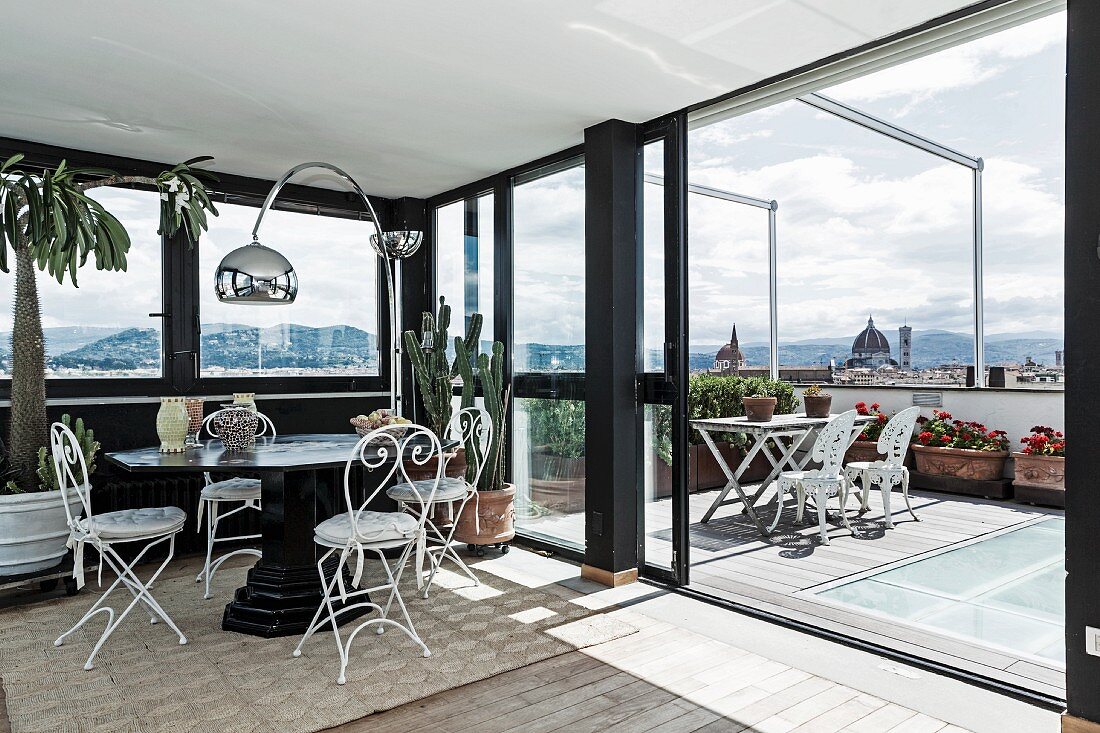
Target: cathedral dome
870,341
730,353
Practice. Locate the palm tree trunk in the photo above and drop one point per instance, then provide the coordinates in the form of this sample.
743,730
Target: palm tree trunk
29,428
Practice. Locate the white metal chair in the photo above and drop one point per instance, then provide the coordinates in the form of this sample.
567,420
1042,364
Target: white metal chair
473,428
103,531
231,490
384,452
821,483
893,442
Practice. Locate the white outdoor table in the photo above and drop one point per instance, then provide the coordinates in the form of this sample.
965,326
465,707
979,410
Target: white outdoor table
797,427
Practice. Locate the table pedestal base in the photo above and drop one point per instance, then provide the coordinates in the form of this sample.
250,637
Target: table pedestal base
280,602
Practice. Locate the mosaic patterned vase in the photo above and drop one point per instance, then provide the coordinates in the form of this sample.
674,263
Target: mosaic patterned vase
172,424
236,426
194,419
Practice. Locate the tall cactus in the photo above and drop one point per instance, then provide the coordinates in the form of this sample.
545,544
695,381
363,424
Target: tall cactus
47,475
491,371
430,366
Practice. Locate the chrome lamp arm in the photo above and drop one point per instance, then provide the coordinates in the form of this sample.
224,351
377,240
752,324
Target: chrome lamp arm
389,246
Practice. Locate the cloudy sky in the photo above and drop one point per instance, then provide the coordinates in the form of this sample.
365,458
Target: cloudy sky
865,224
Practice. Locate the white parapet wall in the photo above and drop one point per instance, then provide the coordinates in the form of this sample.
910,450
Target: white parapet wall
1012,410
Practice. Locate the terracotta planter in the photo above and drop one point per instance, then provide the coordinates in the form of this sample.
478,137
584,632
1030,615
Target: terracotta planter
1045,471
759,409
962,463
456,466
557,482
818,406
488,519
863,450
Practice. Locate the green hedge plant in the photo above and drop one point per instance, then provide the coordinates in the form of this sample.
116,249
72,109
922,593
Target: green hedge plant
712,395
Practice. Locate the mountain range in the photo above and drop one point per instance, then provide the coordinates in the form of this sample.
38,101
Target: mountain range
238,346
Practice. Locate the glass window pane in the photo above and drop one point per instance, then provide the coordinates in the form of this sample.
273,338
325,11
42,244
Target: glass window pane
1002,98
464,261
549,273
653,253
102,328
548,468
332,326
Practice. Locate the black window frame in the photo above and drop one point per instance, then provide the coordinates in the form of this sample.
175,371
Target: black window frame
181,279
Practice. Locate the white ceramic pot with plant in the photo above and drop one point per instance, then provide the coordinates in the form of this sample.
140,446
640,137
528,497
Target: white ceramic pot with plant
33,525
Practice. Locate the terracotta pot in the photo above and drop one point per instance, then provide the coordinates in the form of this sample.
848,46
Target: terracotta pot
489,518
759,409
456,466
1046,471
978,465
863,450
557,482
818,406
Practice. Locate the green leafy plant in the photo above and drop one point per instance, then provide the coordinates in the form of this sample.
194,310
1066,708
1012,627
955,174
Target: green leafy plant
49,222
712,395
47,473
557,427
434,373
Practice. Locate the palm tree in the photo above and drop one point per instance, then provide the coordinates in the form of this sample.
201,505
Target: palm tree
49,222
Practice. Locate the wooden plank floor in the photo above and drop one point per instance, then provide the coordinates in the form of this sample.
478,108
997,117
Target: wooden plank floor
730,560
664,679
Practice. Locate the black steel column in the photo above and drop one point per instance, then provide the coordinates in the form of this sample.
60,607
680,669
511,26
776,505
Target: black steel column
416,285
613,291
1082,263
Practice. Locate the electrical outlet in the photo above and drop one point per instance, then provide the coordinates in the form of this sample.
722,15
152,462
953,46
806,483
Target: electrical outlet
1092,641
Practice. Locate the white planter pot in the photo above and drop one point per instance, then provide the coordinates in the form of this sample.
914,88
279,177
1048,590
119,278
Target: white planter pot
33,531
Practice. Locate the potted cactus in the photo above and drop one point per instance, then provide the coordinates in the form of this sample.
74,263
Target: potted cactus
493,520
816,402
435,375
33,523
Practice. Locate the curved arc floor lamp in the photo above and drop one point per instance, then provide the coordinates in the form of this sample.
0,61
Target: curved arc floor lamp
258,275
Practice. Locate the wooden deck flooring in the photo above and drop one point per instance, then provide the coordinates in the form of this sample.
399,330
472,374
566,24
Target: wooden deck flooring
663,679
730,560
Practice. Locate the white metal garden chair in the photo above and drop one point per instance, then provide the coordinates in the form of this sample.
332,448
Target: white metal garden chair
103,532
473,428
822,483
385,453
237,489
893,442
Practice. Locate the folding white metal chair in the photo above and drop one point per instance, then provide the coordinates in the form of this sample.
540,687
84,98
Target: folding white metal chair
246,491
103,531
893,442
821,483
385,453
473,428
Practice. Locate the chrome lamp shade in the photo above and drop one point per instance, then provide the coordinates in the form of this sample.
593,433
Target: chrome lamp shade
397,245
255,275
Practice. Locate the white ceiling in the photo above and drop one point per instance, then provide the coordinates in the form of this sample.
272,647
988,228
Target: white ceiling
411,98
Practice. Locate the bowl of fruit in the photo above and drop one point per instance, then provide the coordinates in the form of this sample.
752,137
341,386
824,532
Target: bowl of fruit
365,424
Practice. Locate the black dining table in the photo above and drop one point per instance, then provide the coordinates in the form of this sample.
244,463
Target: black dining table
301,480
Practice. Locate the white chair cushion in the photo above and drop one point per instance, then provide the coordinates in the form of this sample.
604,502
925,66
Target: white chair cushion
135,522
449,490
233,489
372,527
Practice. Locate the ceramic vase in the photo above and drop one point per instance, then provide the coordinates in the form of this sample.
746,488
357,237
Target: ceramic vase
172,424
236,426
246,399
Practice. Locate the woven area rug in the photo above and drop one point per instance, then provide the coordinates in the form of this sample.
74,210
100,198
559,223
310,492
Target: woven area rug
144,681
